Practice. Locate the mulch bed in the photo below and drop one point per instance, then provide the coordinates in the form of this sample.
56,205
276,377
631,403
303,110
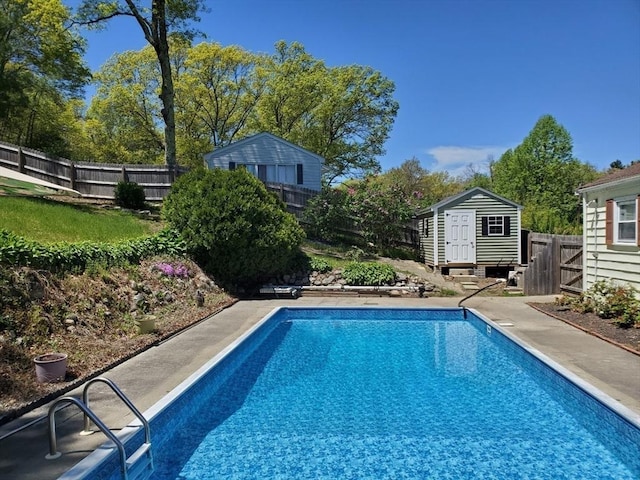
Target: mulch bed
626,338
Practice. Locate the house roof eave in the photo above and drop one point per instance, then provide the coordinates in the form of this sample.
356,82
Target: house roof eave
605,185
472,192
235,145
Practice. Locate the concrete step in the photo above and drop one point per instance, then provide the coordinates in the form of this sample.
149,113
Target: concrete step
465,278
513,291
460,271
469,286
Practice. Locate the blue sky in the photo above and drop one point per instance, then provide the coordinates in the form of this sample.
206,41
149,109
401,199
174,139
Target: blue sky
472,76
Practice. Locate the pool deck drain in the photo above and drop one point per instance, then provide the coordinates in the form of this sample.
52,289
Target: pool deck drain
611,369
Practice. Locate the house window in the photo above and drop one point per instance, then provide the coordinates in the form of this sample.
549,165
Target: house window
496,226
288,174
625,221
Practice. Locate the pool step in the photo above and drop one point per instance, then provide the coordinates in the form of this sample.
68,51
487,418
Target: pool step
140,464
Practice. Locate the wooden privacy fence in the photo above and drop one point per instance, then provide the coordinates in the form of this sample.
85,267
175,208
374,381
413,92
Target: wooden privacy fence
295,198
98,180
555,264
92,180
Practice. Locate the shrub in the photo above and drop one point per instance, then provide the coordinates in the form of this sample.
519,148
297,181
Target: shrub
76,257
234,228
326,213
358,273
319,265
609,300
129,195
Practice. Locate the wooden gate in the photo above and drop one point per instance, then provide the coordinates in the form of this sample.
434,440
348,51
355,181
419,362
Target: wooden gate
570,263
555,264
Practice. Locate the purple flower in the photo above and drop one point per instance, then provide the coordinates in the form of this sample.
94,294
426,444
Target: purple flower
171,271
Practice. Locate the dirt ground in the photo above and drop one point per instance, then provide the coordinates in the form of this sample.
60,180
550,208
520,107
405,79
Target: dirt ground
91,318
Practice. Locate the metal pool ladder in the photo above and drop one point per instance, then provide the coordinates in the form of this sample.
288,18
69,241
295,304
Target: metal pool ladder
138,466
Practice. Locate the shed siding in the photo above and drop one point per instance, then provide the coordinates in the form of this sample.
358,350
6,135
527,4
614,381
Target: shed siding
490,250
619,263
495,250
269,150
427,241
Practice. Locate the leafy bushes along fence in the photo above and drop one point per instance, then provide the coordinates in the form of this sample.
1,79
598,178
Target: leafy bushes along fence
76,257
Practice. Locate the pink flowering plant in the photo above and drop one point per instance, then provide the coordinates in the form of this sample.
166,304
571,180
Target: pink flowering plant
169,270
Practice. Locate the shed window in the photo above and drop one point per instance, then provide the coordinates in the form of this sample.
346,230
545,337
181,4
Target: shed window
496,226
625,220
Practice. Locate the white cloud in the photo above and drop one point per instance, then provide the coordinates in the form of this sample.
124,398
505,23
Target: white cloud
455,159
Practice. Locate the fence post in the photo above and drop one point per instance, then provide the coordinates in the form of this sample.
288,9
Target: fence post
72,175
124,174
555,264
21,160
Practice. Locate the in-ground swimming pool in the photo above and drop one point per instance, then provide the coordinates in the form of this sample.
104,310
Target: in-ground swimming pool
383,393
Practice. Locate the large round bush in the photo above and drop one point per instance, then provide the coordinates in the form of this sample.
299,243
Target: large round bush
234,228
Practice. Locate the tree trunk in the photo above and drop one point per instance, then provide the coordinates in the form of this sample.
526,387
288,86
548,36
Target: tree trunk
161,46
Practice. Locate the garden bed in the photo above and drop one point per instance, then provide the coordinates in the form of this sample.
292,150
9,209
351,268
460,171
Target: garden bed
606,329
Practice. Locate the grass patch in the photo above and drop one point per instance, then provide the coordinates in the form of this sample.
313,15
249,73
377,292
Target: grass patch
48,221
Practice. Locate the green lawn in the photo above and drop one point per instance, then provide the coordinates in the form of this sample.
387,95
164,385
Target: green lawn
49,221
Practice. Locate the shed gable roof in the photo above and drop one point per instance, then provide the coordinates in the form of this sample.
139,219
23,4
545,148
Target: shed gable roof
265,137
468,194
619,176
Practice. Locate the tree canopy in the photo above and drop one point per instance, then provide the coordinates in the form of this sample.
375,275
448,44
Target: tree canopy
156,22
542,175
41,68
224,94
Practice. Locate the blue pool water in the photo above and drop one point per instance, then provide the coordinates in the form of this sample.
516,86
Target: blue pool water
387,393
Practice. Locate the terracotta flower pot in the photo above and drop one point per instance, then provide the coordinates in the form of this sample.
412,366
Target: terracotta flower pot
51,367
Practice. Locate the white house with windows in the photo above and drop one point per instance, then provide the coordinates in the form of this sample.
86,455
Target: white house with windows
611,228
271,159
475,229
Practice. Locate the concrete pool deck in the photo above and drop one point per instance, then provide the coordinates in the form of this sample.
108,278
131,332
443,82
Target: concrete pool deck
146,378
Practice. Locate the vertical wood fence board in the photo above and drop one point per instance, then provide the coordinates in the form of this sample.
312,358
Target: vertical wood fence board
555,264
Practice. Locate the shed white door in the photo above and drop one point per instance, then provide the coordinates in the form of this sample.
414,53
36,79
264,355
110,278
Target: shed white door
460,236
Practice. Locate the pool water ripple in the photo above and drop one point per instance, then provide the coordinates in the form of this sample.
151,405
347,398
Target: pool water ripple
396,399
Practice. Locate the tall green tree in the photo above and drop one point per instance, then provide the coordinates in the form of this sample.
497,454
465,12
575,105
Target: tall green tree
542,175
343,113
124,117
156,21
40,63
224,94
216,95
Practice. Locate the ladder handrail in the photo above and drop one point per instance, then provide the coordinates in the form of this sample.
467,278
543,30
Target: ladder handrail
53,447
501,280
122,396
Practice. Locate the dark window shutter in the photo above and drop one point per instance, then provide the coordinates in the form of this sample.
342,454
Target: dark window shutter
232,165
485,226
300,177
608,223
506,221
